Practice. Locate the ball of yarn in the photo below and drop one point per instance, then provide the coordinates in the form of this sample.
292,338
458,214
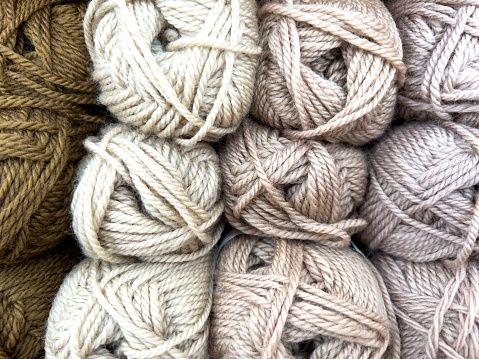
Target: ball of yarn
46,110
329,69
292,189
290,299
423,201
191,74
147,310
437,308
26,295
440,43
144,197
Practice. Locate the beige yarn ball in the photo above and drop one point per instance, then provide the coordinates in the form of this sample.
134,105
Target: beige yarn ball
441,53
140,310
437,308
279,298
423,200
142,197
329,69
292,189
181,70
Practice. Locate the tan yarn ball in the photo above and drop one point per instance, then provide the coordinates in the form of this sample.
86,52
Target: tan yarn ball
279,298
292,189
142,197
441,53
329,69
423,201
181,70
437,308
140,310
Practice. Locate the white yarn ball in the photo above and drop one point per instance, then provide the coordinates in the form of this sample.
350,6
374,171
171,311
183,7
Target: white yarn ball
180,69
152,310
145,197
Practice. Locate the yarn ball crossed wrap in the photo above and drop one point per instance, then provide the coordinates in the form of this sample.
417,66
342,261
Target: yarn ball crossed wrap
109,311
441,53
423,201
46,107
147,198
329,69
292,189
191,73
26,295
437,308
279,298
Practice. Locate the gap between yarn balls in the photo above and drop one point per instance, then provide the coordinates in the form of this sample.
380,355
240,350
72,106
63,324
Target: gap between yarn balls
292,189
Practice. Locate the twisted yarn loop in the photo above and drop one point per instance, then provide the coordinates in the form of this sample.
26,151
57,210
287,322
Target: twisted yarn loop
145,197
278,298
191,73
437,308
106,310
46,109
441,53
423,186
26,294
292,189
329,69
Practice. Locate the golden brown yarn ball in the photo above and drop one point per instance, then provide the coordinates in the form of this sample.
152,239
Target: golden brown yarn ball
279,298
329,69
293,189
46,109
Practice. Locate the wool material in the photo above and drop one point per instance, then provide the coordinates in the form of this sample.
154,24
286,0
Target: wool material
423,202
26,295
437,308
140,310
47,107
329,69
179,69
140,197
441,53
278,298
292,189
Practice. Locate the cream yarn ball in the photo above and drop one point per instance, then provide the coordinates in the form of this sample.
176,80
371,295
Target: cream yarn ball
144,197
181,70
140,310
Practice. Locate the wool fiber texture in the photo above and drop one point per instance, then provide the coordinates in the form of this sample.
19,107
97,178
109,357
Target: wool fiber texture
437,308
423,201
441,53
329,69
26,295
179,69
278,298
140,197
47,107
140,310
292,188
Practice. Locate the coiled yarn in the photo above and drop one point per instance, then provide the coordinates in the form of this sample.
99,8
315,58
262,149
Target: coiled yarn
329,69
140,310
142,197
46,110
279,298
26,295
441,53
181,70
423,204
437,308
292,189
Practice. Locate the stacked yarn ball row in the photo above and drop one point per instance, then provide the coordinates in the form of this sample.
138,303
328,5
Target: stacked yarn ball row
287,284
147,209
47,108
423,204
